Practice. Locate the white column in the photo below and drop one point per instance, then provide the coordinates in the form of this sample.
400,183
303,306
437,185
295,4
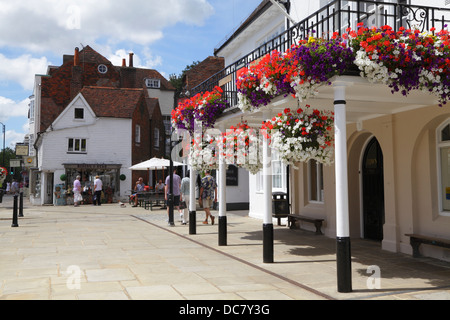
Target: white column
267,179
192,181
343,252
222,195
340,127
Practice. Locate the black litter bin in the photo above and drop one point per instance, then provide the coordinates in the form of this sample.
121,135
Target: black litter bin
1,195
280,206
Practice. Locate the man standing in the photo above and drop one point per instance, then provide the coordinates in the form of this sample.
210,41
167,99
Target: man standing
98,186
176,191
208,195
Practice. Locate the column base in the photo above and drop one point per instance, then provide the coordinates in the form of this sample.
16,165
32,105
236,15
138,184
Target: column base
344,264
268,243
192,222
222,230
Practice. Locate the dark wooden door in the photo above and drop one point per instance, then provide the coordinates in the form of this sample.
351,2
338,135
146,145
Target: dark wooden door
373,191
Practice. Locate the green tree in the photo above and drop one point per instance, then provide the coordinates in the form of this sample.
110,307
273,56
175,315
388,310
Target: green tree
5,157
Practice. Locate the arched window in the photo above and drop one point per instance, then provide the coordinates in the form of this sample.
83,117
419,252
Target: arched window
443,155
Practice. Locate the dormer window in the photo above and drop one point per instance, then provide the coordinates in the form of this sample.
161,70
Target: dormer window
79,113
102,69
153,83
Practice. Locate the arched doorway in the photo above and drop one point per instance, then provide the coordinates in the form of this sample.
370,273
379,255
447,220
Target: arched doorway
373,191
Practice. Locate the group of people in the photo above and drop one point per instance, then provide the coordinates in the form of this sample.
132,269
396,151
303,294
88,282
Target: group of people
181,194
14,187
77,191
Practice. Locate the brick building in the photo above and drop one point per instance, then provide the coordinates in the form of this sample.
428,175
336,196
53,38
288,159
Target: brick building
89,117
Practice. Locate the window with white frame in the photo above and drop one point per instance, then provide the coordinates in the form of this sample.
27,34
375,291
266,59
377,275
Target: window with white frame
315,181
153,83
443,149
278,175
76,145
137,134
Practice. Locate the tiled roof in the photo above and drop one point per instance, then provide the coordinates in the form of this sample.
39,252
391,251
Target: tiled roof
112,102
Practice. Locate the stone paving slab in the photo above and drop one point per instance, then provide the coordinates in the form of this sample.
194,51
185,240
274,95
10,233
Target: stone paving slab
114,253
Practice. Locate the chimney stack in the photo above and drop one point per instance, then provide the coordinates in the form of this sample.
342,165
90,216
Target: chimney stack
76,58
124,62
131,59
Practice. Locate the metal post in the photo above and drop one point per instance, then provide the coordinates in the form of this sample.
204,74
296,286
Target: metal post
343,252
170,195
21,204
268,225
15,223
192,202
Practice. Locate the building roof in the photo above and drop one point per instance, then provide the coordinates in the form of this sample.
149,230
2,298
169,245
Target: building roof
78,71
112,102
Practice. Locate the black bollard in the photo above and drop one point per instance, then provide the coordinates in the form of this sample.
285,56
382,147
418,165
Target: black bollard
15,223
21,205
222,230
192,222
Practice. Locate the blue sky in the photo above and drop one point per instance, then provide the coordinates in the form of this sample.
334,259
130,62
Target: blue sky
166,35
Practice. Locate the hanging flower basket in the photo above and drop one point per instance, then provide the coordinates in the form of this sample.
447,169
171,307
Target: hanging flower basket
203,107
302,135
405,60
204,153
242,147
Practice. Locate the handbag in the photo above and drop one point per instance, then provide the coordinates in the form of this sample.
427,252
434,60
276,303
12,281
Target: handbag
216,205
182,204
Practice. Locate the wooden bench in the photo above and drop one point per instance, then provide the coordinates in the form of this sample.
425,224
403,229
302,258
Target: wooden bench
317,222
416,240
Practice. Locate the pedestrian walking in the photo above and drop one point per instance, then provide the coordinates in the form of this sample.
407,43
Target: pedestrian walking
176,191
185,196
98,187
77,197
208,195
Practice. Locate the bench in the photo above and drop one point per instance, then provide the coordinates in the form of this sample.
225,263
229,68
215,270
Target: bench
317,222
416,240
154,199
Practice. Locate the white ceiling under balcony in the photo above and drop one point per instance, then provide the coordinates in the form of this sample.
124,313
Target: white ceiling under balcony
364,100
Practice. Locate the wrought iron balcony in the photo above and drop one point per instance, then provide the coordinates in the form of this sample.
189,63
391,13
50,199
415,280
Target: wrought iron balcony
337,16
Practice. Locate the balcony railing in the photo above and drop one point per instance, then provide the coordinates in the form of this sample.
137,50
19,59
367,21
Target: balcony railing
337,16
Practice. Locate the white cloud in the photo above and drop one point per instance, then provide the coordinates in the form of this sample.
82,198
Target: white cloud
148,60
46,24
10,108
22,69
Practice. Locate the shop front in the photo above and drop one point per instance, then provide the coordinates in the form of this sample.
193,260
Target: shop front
108,173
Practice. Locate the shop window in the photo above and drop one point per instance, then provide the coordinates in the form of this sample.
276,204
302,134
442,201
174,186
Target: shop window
443,150
76,145
315,181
